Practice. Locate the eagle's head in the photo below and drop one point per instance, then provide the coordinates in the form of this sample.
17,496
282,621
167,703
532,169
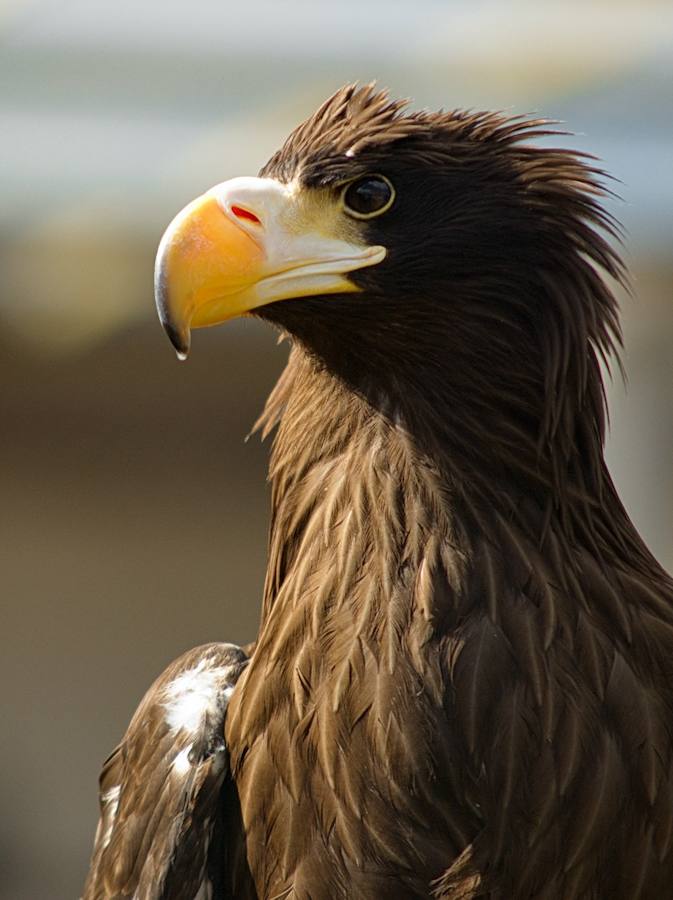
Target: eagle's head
402,245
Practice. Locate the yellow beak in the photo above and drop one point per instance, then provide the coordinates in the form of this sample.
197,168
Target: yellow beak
246,243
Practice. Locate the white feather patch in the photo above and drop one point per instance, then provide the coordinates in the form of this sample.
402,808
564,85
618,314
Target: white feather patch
182,763
195,694
110,798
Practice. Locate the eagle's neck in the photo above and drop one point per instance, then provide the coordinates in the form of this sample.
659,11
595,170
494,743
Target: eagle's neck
358,505
364,487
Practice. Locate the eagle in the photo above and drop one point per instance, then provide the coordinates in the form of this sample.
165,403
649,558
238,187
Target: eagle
462,684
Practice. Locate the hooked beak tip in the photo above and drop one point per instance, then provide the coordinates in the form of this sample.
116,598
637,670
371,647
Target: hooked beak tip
179,338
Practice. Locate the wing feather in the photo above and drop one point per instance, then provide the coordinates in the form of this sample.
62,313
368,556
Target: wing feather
159,788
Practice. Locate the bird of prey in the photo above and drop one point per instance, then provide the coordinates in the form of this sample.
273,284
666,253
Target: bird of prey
462,685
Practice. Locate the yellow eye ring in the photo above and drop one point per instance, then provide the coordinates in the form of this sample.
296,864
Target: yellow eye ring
368,196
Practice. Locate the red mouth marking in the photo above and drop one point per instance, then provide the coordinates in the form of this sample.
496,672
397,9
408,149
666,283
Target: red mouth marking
242,213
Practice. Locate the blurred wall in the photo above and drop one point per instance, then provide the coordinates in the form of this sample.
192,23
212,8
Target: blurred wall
134,514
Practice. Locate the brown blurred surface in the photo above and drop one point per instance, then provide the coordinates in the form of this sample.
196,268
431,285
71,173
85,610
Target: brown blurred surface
134,526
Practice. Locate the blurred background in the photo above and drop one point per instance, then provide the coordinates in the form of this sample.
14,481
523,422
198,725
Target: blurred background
134,515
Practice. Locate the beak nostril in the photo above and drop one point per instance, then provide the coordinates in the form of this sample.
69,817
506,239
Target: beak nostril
241,213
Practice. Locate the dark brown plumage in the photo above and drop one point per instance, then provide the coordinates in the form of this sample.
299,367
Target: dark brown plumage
463,681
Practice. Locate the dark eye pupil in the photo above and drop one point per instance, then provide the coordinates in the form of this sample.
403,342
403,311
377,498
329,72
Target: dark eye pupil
367,195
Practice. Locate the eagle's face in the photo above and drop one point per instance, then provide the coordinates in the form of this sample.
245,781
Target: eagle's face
354,190
251,242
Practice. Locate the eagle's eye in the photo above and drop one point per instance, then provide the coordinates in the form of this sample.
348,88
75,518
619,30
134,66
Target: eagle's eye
368,196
